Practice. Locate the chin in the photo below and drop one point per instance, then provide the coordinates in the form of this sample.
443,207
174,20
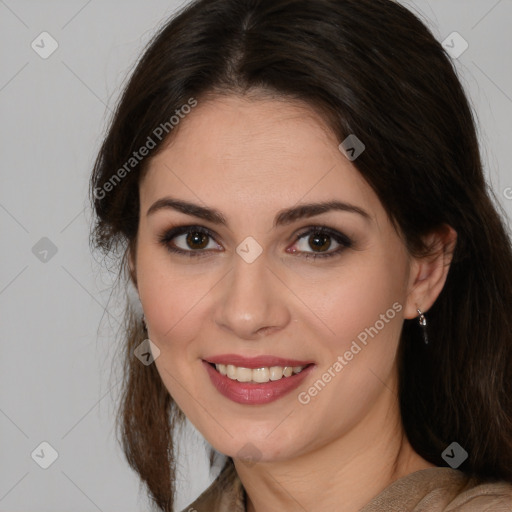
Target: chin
258,446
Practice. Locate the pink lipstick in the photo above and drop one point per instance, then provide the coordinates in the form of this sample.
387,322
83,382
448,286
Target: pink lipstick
256,380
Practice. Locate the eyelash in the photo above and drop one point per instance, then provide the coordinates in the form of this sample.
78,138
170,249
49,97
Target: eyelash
340,238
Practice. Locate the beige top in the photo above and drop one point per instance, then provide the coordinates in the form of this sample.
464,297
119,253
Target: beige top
428,490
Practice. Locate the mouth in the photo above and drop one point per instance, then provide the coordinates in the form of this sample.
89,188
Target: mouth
256,381
257,375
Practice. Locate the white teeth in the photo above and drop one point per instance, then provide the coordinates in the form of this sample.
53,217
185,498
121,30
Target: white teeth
231,371
258,375
243,374
276,372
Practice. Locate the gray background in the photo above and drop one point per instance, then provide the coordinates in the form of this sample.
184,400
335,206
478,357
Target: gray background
58,344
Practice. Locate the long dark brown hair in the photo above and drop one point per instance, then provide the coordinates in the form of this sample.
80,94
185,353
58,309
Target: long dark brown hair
373,69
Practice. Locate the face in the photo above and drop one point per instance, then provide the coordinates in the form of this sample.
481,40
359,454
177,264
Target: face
255,278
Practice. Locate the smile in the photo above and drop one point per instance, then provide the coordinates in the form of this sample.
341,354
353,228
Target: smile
258,380
257,375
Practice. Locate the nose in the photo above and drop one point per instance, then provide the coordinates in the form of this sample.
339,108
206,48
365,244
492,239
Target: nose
254,301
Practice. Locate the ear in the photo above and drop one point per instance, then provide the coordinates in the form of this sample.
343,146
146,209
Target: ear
428,274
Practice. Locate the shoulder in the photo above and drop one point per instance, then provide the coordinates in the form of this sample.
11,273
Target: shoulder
428,490
442,490
225,494
490,496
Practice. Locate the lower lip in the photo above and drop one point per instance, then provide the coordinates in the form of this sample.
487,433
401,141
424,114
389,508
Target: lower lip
255,394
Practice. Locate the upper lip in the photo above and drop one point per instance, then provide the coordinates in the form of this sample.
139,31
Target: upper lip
255,362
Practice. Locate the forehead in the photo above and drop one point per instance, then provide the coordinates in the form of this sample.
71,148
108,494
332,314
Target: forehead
226,129
258,153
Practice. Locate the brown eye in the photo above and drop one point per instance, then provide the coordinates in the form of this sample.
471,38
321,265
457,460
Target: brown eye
316,242
194,241
197,240
320,241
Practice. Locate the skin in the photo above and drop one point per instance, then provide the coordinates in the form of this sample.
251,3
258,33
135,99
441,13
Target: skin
251,158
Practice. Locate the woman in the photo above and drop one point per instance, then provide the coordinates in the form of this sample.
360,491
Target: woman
297,192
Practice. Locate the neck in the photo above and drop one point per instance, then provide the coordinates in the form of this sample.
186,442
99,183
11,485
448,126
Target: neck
344,474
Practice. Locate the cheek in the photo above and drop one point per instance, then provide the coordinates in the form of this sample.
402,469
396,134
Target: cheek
362,309
175,315
171,299
174,310
358,297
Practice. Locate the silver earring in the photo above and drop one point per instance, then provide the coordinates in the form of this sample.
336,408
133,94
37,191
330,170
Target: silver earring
423,324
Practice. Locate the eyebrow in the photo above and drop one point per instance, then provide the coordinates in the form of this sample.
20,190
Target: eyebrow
284,217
